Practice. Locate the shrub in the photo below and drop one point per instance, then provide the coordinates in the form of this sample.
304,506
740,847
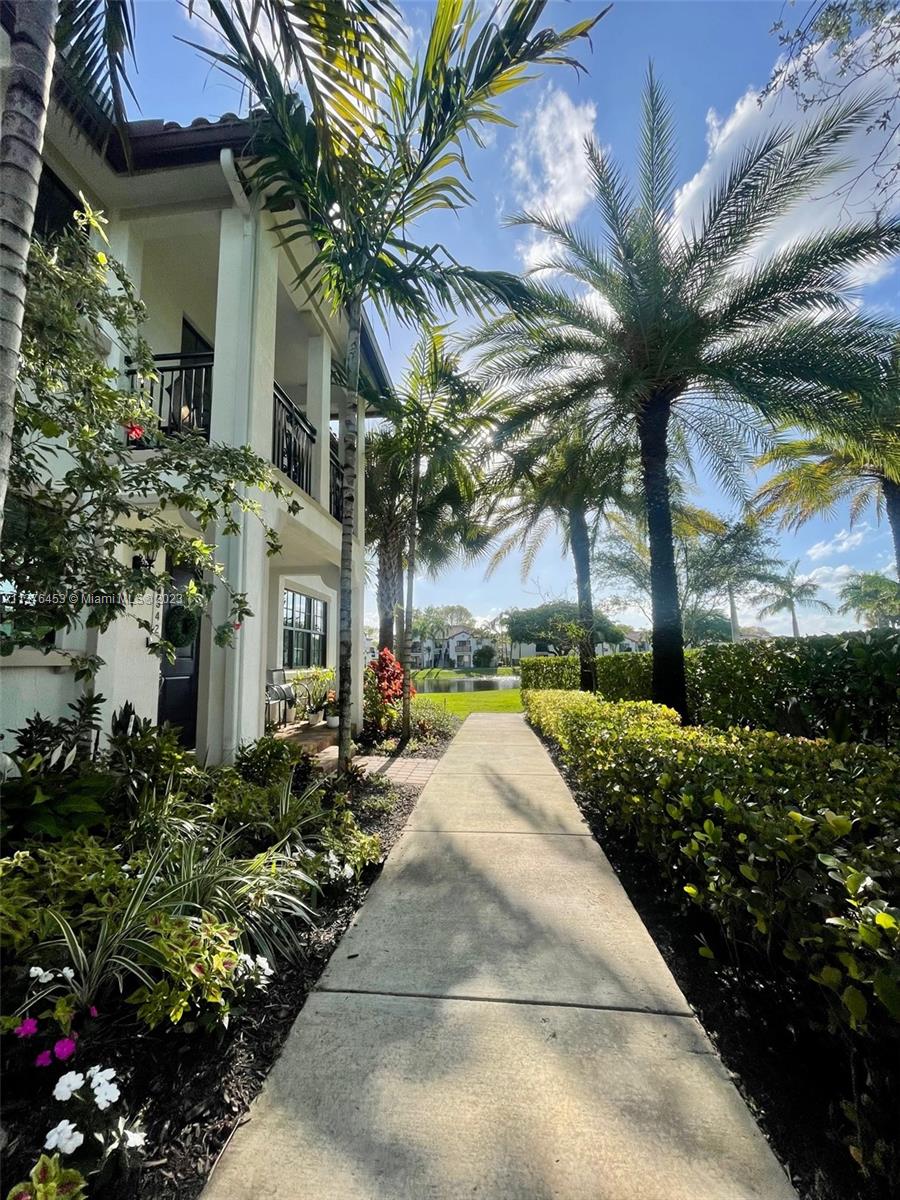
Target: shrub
77,876
431,721
267,760
845,687
382,693
790,844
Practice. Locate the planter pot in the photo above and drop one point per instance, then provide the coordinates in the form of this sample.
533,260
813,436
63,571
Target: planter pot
314,718
332,722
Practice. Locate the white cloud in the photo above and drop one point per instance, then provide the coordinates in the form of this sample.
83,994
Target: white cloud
837,202
831,578
547,162
839,544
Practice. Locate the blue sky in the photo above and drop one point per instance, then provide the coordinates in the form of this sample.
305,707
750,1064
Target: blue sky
711,56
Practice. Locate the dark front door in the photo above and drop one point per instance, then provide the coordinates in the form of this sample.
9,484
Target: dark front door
179,679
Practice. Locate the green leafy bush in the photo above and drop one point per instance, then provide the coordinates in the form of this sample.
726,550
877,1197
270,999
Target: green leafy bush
78,876
845,687
790,844
265,761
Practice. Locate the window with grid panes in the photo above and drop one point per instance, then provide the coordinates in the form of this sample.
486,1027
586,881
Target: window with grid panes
303,630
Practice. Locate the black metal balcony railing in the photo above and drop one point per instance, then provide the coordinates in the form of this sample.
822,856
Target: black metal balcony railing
336,481
292,441
181,393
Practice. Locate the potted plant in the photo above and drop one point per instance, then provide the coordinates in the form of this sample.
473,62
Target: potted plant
332,713
313,687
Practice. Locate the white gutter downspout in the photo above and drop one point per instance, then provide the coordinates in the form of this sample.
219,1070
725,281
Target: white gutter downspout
235,671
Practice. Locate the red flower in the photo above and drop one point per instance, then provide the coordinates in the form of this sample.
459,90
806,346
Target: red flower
134,431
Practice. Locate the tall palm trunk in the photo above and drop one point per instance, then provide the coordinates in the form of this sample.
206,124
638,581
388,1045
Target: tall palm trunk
24,117
733,613
410,581
350,431
668,679
390,587
891,492
794,621
581,553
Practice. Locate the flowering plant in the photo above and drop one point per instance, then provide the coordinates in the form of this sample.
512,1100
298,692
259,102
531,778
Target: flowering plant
49,1180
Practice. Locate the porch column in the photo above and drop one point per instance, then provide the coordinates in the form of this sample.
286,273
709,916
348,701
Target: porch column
233,686
318,411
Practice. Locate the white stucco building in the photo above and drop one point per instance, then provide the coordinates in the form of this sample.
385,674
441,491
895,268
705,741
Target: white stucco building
246,356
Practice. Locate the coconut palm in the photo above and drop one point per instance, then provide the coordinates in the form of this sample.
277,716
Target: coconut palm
440,432
565,483
358,207
337,51
819,473
687,331
787,593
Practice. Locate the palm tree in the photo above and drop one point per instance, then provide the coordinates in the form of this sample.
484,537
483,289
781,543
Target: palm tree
818,473
872,598
565,484
450,526
787,593
440,431
358,207
683,332
337,50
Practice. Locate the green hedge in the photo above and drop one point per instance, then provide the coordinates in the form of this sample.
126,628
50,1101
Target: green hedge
845,687
790,844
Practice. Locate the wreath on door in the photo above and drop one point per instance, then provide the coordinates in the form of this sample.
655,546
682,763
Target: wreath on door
181,625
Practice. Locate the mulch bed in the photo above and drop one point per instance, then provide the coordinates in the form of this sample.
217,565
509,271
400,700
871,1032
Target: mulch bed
791,1076
198,1106
198,1086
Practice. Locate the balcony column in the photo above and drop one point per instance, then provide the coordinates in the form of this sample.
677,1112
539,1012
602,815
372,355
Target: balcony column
233,684
318,413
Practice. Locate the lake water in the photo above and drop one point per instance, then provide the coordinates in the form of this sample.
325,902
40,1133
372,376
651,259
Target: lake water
470,683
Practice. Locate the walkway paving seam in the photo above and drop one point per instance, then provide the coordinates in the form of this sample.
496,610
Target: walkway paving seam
647,1012
497,1022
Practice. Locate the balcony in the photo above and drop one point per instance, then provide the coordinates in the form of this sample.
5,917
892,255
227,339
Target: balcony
293,440
181,392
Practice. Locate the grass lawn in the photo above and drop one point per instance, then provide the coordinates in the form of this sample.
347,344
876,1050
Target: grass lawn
463,703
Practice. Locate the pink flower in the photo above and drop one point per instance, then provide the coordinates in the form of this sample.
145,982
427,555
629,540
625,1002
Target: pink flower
64,1048
236,625
93,1011
44,1059
134,431
28,1028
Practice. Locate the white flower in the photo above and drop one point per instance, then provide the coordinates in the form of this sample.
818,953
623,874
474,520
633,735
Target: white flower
64,1137
134,1139
263,963
41,975
348,871
105,1093
100,1075
67,1084
68,974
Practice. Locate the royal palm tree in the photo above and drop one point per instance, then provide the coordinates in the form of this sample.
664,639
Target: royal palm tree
563,483
682,329
337,51
787,593
359,206
819,473
440,430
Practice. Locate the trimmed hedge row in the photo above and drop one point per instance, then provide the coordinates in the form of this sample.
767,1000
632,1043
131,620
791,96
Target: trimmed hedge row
844,687
790,844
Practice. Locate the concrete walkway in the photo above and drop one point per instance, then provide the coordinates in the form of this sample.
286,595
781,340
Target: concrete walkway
497,1023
